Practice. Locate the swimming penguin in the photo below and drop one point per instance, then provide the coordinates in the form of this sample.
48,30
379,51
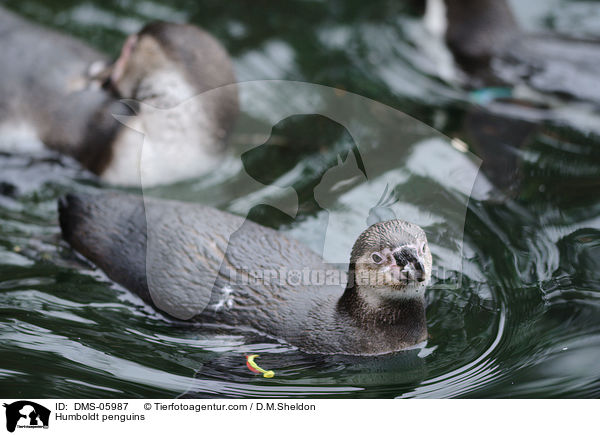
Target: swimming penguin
488,43
58,92
169,252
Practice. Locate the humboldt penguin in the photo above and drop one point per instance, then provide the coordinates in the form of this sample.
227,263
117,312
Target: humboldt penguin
60,93
234,272
488,43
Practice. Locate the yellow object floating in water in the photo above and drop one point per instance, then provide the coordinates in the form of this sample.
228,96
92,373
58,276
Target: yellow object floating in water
256,369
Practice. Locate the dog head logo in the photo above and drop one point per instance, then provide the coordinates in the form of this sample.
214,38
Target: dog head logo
26,414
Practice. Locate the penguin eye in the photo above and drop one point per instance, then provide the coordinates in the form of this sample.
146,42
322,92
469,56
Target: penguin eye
422,247
376,258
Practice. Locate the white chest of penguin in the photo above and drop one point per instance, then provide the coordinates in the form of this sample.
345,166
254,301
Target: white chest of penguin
167,140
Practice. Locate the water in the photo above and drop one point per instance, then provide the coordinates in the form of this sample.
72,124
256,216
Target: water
523,323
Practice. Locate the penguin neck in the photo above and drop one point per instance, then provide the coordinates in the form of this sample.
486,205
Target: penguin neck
164,88
382,312
478,29
180,139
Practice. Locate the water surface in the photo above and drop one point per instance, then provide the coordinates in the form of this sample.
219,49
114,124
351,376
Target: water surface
525,321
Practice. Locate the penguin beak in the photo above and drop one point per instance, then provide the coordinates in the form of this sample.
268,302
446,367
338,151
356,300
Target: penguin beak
419,269
410,264
121,63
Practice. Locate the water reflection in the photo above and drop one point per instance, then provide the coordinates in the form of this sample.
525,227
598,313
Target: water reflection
523,323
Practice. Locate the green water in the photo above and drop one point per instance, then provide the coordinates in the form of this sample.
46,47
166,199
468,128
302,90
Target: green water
525,321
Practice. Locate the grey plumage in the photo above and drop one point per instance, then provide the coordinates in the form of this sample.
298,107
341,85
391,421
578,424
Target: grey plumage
487,41
43,84
479,29
207,66
50,85
168,251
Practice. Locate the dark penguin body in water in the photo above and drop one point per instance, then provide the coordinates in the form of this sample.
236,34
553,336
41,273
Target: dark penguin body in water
57,92
488,43
170,252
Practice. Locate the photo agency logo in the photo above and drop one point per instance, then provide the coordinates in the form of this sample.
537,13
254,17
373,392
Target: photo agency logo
25,414
321,165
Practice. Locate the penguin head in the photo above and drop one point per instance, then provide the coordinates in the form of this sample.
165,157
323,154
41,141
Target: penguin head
391,259
169,58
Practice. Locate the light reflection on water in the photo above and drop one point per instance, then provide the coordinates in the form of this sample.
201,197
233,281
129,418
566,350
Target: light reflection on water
524,323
